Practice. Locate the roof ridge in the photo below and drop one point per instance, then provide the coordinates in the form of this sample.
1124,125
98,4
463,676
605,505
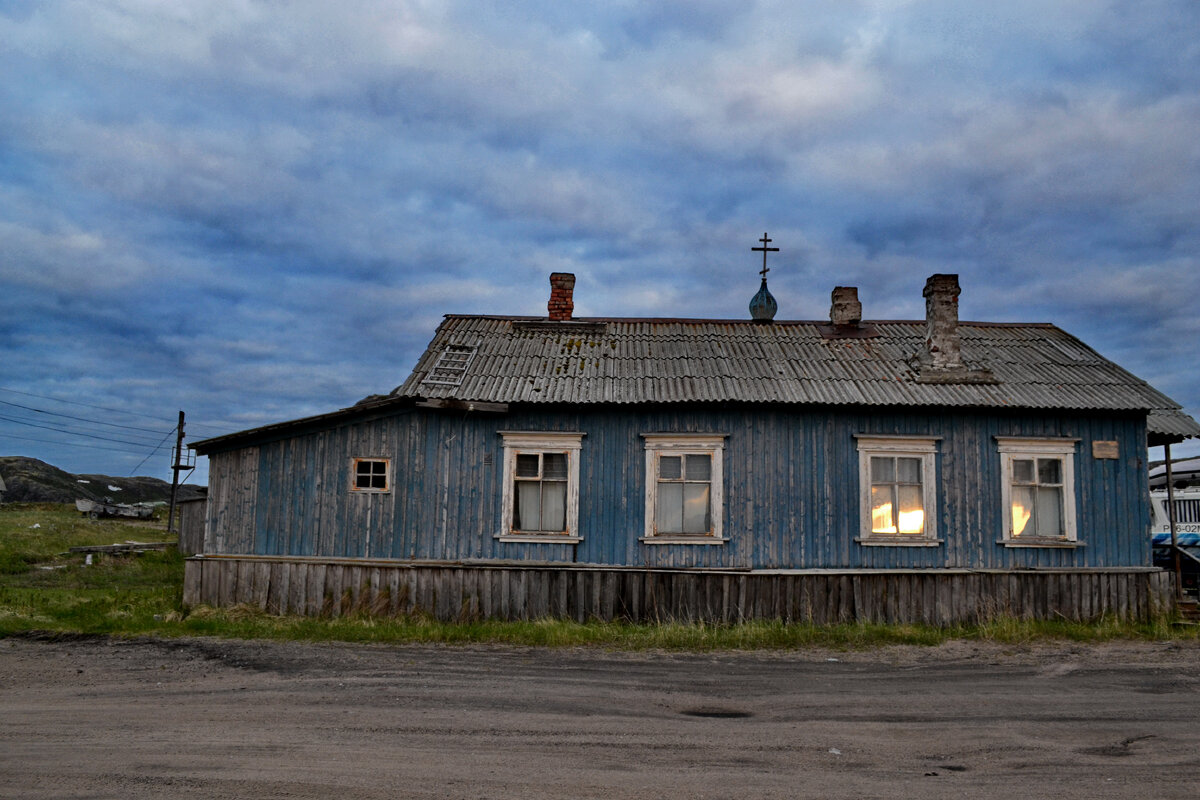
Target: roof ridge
748,322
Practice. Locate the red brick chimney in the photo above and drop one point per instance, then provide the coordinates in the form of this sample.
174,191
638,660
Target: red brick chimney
562,302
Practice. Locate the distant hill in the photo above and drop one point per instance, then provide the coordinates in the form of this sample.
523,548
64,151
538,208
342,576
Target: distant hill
28,480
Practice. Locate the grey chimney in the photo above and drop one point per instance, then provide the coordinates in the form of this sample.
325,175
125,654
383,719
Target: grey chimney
942,342
845,309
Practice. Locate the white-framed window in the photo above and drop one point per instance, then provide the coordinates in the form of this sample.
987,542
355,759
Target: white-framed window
371,475
897,490
541,486
685,488
1037,491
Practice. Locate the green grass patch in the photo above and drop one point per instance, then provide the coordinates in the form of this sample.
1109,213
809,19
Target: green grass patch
142,595
45,587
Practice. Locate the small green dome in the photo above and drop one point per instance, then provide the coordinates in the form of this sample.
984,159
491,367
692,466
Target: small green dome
763,305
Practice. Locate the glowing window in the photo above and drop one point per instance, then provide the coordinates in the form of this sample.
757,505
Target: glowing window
1038,489
898,494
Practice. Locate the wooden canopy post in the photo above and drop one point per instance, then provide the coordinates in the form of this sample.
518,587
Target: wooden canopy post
1171,524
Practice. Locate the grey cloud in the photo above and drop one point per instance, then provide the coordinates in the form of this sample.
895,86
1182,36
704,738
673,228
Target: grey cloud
266,209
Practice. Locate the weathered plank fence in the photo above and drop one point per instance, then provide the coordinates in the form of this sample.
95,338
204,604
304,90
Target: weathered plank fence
191,525
513,592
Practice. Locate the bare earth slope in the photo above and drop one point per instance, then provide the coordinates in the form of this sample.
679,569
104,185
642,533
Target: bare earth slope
32,481
210,718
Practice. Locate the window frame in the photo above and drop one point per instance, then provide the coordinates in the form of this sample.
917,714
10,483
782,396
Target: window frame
924,448
1013,448
682,444
387,475
540,442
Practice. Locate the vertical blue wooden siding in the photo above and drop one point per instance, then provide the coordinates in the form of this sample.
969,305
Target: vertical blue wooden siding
791,489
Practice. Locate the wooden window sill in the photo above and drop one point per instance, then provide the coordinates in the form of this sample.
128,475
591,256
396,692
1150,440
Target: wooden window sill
1061,543
681,540
897,541
538,538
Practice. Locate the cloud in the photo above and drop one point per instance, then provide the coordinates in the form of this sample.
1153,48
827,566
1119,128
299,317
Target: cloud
262,210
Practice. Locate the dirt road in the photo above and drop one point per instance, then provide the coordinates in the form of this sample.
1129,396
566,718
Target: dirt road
206,718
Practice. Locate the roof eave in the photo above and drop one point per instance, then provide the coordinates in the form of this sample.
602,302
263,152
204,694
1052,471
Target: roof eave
230,441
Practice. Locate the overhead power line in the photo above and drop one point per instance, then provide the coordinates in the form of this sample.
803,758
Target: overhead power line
78,433
80,428
77,403
72,444
152,452
114,410
154,431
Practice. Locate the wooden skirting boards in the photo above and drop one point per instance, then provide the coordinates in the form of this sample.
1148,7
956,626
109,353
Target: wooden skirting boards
453,592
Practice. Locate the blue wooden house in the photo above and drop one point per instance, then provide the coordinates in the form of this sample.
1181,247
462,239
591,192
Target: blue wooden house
933,471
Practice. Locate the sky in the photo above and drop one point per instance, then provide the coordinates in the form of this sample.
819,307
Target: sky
258,211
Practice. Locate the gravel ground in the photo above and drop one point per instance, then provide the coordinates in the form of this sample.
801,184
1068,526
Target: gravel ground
99,718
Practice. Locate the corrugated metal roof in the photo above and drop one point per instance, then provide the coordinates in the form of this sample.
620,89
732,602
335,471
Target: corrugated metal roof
521,360
1167,425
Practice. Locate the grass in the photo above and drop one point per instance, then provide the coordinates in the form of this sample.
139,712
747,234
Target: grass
44,589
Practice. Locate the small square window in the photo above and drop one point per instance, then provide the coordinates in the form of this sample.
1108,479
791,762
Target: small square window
371,475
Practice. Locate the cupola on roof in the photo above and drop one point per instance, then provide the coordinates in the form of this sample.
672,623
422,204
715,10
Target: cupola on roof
763,305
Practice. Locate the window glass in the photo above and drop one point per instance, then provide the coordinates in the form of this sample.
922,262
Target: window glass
1022,508
1049,512
699,467
683,488
695,508
908,470
897,501
897,495
370,474
527,465
882,510
554,466
669,509
527,506
881,470
684,494
911,514
540,494
669,467
1037,498
554,505
540,486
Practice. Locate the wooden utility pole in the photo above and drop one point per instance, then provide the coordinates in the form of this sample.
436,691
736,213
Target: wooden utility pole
177,467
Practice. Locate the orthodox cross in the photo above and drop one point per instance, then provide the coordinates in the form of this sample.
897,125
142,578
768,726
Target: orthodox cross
765,241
